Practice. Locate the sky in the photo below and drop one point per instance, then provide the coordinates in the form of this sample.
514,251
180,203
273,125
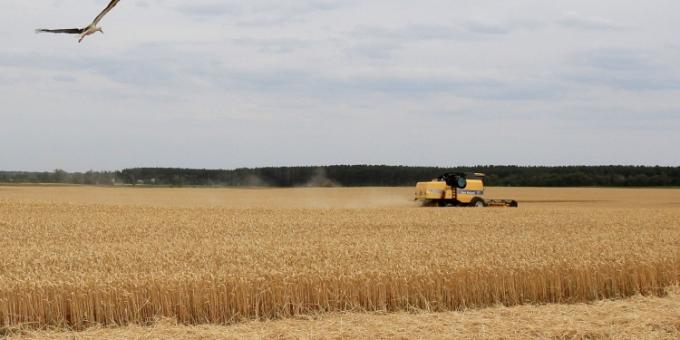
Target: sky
230,84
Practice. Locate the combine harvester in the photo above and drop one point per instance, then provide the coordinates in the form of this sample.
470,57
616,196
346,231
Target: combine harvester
458,190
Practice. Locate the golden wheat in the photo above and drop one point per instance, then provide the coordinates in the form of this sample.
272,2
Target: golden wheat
637,317
77,264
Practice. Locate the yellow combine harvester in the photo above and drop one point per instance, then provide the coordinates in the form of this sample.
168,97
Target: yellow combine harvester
458,189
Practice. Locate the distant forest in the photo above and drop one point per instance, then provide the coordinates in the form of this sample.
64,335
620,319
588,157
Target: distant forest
360,175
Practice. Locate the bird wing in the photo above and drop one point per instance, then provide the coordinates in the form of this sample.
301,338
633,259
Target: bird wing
63,30
106,10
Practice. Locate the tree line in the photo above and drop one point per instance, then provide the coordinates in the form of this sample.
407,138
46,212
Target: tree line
361,175
61,177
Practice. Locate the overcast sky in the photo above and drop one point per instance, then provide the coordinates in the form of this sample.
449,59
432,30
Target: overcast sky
225,84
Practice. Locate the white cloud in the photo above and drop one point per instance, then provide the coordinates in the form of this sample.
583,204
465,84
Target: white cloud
575,20
232,83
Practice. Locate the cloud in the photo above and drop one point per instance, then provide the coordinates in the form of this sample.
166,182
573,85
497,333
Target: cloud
216,9
627,69
261,12
65,78
619,60
390,76
428,32
381,50
274,46
579,21
8,81
487,28
126,70
381,42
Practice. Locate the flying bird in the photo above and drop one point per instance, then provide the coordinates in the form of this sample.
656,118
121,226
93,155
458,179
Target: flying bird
84,32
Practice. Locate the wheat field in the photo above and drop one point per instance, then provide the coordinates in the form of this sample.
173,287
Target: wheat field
638,317
81,257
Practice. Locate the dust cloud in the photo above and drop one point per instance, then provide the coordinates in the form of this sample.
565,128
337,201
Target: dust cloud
254,181
321,180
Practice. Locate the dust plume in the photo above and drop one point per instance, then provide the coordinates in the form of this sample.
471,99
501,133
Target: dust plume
320,179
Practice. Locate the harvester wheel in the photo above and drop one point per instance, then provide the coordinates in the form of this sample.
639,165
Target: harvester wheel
477,203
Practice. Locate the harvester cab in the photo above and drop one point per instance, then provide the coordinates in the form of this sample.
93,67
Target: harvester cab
457,189
454,180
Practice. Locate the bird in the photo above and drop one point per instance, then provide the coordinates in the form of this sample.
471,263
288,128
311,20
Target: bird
84,32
